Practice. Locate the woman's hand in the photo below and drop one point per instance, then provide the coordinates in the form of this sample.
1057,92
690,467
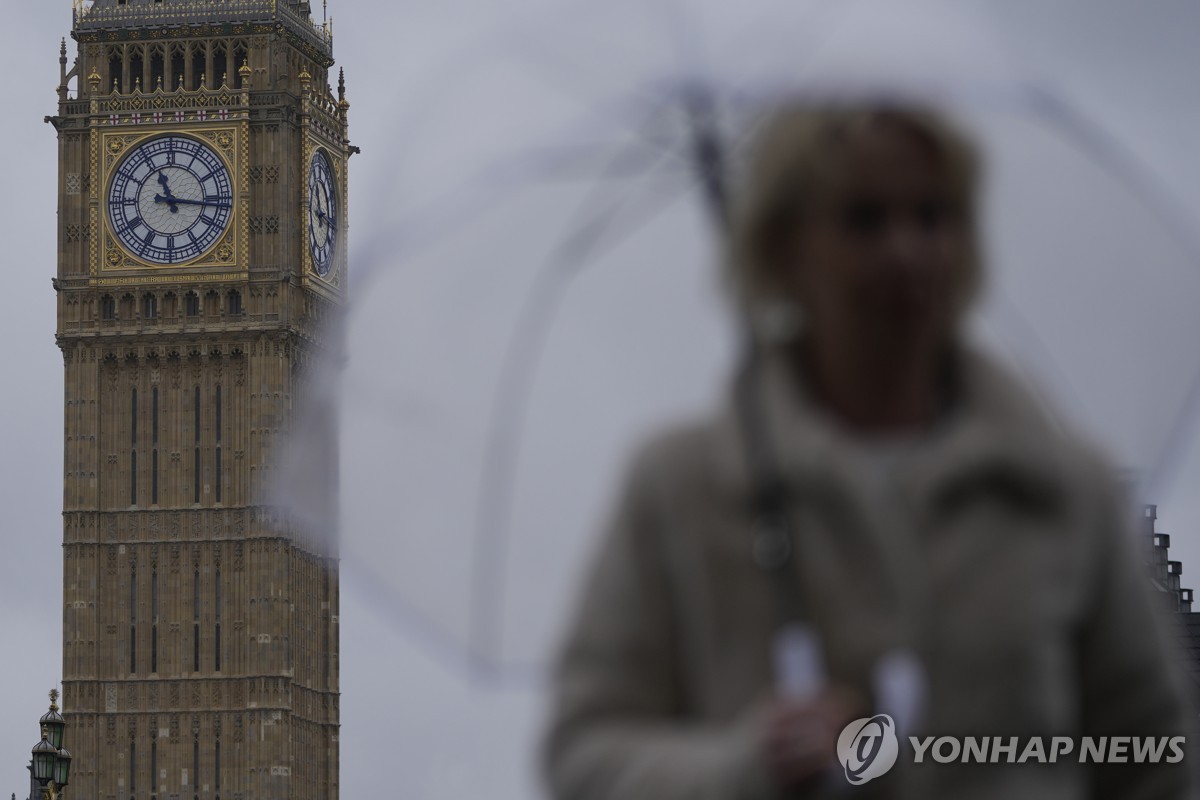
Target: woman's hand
798,738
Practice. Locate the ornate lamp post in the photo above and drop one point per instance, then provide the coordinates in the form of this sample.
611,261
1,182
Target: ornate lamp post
51,761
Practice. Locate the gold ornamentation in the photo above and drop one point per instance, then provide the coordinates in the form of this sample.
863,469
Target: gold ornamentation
189,278
113,145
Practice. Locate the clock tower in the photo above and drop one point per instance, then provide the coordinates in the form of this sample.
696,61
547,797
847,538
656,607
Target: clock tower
201,246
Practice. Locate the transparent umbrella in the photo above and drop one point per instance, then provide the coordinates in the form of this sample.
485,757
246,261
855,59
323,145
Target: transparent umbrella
538,286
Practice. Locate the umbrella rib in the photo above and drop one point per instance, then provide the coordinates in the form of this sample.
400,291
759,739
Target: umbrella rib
1139,178
485,189
437,639
509,407
470,60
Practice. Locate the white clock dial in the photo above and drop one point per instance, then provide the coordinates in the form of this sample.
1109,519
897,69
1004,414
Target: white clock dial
322,213
170,200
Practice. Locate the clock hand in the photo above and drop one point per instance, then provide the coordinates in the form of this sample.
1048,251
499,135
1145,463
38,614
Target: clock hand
162,180
326,220
158,198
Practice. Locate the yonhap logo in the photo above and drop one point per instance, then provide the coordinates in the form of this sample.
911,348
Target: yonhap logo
867,748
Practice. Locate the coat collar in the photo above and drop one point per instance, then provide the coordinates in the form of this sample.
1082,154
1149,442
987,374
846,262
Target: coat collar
996,434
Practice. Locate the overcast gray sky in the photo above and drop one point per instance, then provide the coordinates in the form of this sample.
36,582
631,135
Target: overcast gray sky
1132,66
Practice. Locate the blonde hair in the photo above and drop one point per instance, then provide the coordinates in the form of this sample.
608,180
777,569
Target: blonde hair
797,156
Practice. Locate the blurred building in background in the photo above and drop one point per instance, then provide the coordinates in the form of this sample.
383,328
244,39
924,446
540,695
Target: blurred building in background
1165,578
202,191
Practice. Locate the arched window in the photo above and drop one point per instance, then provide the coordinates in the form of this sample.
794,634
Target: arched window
115,73
154,442
217,632
220,75
158,70
149,306
196,468
153,631
191,304
127,306
217,430
196,624
137,65
133,464
198,62
108,307
212,303
170,309
234,303
177,67
132,623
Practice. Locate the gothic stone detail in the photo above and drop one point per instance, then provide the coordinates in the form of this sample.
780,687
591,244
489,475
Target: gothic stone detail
192,612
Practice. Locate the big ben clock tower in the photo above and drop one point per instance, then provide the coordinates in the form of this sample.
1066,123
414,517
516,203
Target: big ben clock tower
202,242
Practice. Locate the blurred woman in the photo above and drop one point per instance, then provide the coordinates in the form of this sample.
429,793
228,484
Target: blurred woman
881,521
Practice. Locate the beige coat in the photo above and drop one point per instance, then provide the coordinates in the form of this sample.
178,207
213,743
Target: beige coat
1003,562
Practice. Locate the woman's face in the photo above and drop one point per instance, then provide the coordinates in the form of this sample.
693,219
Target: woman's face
880,259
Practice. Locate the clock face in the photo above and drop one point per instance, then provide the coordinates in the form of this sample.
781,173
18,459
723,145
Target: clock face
322,213
171,200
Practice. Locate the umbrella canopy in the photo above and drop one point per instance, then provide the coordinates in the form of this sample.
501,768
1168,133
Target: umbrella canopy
537,284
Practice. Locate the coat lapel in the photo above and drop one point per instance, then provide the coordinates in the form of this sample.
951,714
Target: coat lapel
993,440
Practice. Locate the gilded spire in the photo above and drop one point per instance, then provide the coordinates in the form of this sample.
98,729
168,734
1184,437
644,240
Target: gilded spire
343,103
